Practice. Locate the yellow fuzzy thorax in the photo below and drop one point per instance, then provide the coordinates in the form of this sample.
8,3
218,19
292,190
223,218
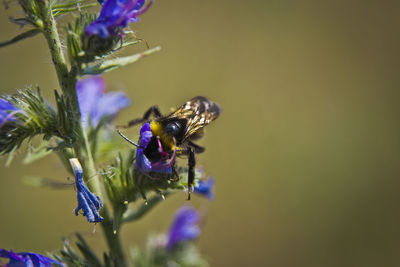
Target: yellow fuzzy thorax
166,140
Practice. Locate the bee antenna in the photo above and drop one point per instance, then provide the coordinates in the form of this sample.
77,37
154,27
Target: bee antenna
128,140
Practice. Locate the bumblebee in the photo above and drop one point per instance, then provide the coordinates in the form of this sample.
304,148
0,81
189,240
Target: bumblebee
166,137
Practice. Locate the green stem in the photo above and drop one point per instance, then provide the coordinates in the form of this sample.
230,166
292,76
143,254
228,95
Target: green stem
67,80
94,182
113,240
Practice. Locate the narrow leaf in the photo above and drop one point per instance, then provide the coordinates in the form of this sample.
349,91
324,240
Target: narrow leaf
87,252
21,37
38,181
34,154
109,65
60,11
10,157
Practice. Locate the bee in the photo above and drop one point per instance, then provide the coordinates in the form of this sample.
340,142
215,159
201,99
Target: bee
166,137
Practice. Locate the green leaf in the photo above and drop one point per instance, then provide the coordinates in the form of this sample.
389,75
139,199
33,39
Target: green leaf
39,152
112,64
62,10
68,4
38,181
21,21
69,256
10,156
87,252
21,37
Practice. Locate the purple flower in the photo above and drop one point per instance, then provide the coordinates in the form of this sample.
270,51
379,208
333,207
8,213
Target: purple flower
161,162
6,111
94,103
184,227
116,15
88,202
27,259
205,188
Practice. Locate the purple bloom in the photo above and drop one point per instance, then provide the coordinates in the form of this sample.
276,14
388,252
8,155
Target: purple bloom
162,163
184,227
94,103
116,15
6,111
87,201
205,188
27,259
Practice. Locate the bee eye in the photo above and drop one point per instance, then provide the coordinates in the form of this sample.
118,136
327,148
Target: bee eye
172,128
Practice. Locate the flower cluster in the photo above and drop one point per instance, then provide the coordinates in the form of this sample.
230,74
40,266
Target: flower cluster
176,247
27,259
24,115
116,15
161,164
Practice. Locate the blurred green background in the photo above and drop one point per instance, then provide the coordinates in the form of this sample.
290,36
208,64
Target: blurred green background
305,154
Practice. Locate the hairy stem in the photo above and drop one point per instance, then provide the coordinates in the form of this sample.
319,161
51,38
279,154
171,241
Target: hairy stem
94,182
67,80
113,240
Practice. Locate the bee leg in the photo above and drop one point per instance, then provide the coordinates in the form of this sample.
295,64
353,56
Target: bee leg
174,172
191,164
152,110
197,149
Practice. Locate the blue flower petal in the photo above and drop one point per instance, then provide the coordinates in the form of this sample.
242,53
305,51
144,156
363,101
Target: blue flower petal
184,227
6,111
27,259
142,163
116,15
94,103
205,188
88,202
89,91
145,135
6,106
109,105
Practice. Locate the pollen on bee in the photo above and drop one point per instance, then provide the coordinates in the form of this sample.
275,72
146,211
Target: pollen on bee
157,130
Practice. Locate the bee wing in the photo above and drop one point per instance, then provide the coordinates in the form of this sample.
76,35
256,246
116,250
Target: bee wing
199,112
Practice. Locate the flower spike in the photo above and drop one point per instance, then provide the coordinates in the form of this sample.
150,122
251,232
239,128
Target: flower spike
116,15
